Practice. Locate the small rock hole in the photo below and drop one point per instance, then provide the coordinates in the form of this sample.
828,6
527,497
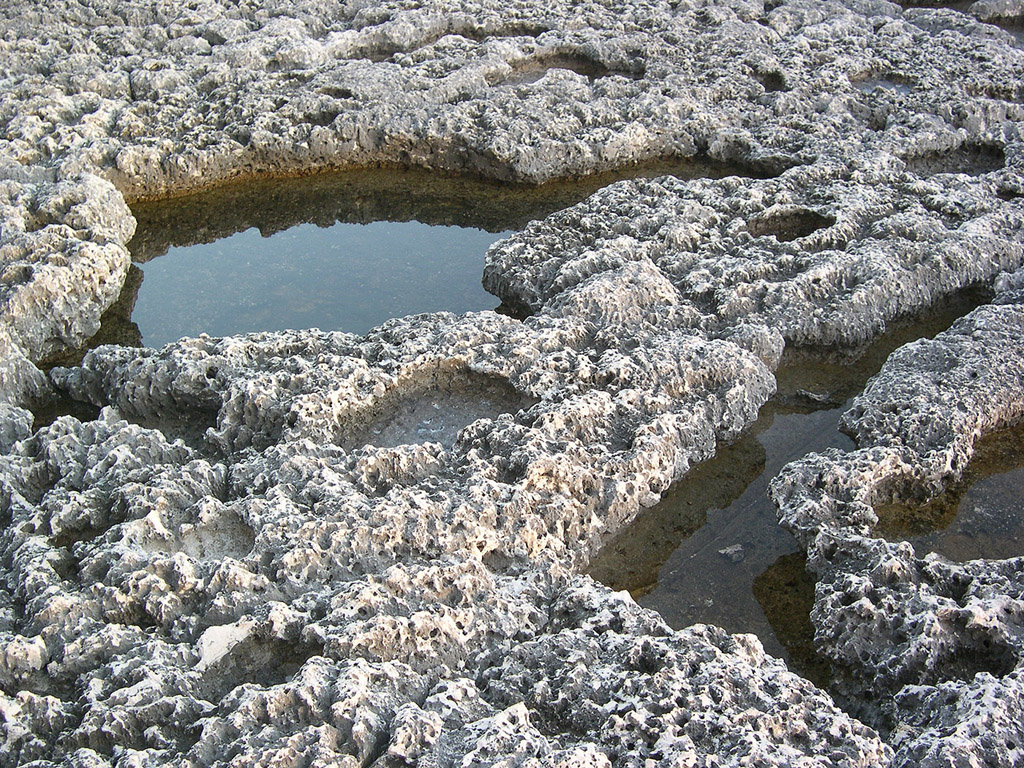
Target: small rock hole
336,92
773,81
789,225
48,411
971,159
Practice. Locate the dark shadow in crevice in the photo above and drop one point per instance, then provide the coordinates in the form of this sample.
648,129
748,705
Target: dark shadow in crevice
41,683
323,118
971,159
772,81
791,224
534,69
47,411
515,311
785,592
68,537
516,29
336,92
953,5
186,424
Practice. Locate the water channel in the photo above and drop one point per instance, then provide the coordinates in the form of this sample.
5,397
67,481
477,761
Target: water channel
711,551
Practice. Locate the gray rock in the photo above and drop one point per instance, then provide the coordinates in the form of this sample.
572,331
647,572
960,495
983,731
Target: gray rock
262,553
937,644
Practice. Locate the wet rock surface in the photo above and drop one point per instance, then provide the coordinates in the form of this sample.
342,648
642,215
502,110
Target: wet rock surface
228,565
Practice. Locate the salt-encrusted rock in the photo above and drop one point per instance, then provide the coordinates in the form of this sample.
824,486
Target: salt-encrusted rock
601,424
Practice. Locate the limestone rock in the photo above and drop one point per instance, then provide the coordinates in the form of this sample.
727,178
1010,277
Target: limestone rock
929,638
266,551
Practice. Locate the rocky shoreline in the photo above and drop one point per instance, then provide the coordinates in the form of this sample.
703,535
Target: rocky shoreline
315,549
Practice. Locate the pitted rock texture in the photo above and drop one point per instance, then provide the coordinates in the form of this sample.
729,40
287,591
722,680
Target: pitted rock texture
157,98
238,563
64,261
823,255
267,595
939,645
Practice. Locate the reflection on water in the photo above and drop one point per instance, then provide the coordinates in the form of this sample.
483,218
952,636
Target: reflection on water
977,517
706,552
339,251
694,556
827,378
349,277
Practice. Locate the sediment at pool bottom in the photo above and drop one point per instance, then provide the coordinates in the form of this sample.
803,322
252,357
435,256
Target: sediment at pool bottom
711,551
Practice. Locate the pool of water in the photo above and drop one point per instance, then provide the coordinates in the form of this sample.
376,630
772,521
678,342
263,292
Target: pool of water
694,557
337,251
349,277
711,550
977,517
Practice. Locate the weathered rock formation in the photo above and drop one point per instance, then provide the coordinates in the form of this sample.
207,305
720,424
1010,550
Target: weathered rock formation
317,549
936,646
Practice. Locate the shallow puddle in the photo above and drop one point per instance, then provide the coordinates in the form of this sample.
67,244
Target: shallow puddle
694,557
435,410
977,517
116,326
338,251
707,551
349,277
785,592
886,84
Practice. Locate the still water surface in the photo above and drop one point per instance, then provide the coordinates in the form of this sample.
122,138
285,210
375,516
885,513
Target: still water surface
337,251
348,277
712,551
978,516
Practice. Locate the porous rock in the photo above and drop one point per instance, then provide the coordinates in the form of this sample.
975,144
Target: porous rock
261,554
928,648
